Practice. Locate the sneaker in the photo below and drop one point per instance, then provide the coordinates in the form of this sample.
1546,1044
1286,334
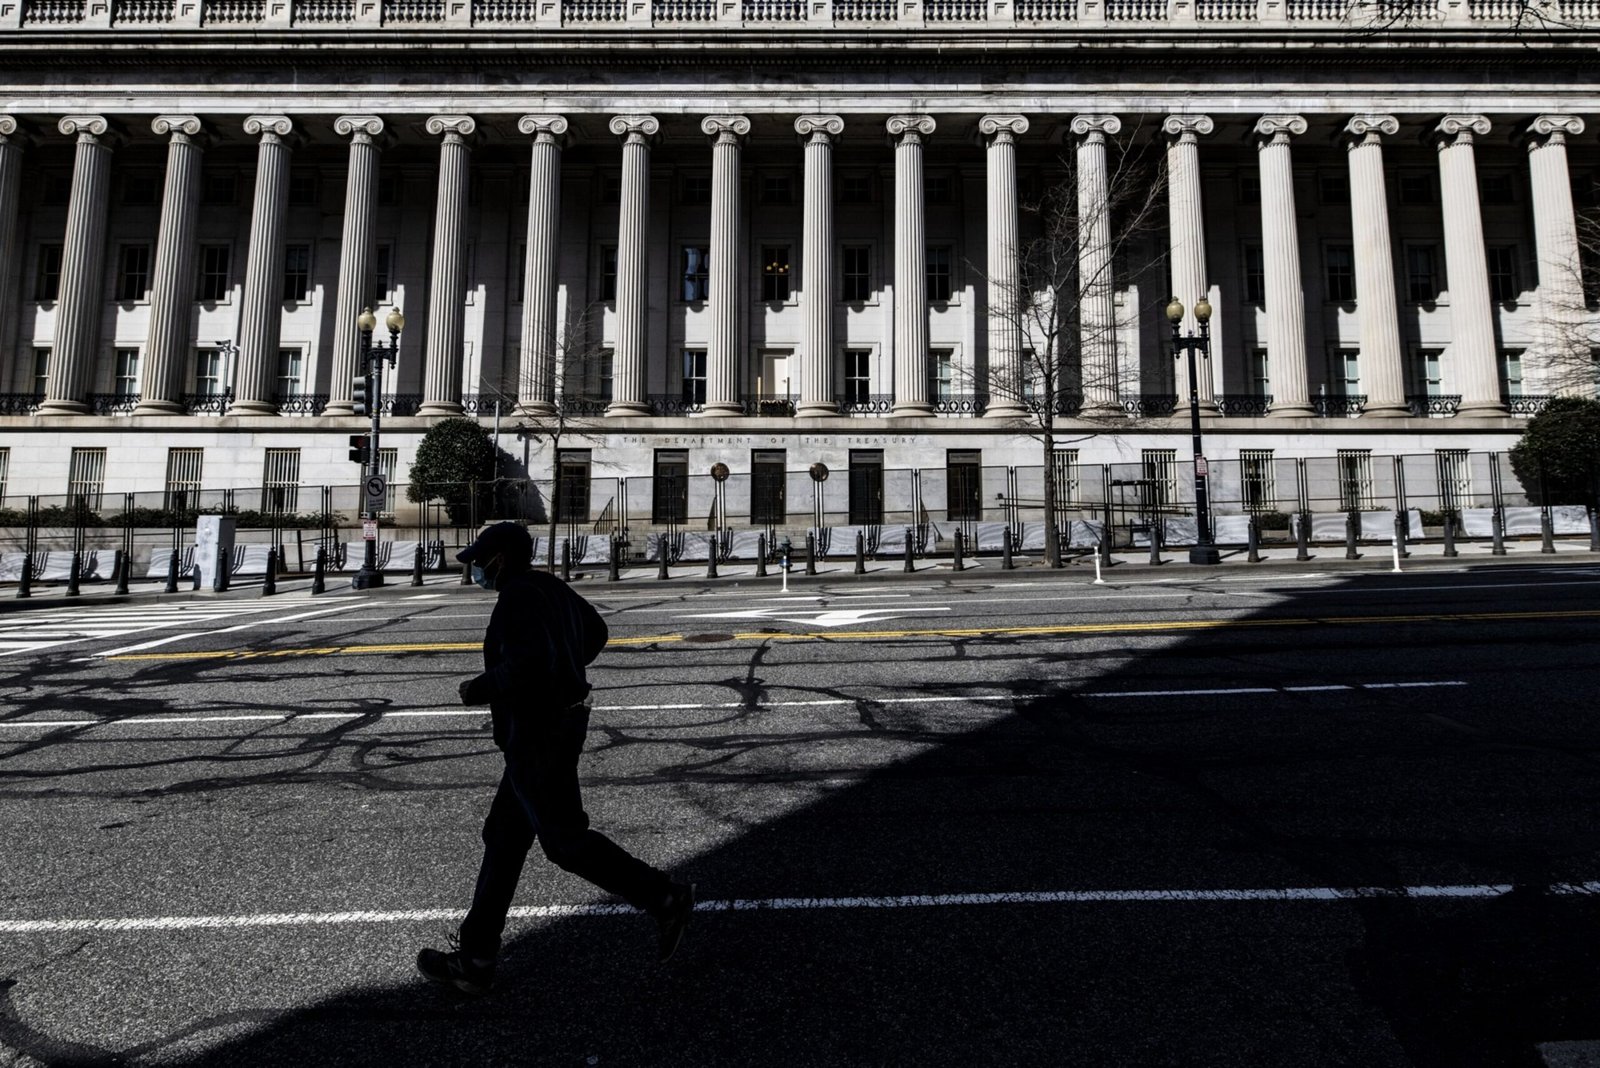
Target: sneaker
673,919
469,975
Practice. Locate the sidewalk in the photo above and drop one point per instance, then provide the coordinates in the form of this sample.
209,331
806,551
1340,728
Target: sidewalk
1130,565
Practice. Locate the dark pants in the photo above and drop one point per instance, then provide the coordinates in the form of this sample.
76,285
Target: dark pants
539,798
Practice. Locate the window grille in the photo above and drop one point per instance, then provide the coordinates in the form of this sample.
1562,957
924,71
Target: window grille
572,495
1355,480
388,465
183,479
1160,472
1067,478
1455,479
86,477
1257,481
280,484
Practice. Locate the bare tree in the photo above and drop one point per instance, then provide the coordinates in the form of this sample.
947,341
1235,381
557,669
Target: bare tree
1084,238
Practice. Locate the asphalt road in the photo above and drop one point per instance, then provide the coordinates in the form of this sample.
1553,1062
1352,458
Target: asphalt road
1240,819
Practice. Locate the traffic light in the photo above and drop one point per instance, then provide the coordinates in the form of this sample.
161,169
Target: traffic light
360,448
358,395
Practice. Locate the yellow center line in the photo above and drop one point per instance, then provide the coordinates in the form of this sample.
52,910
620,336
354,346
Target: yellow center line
1056,629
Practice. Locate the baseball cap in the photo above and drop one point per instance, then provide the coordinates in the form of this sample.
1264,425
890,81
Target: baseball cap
509,539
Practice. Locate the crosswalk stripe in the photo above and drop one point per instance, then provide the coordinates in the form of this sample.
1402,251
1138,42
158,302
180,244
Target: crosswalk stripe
39,630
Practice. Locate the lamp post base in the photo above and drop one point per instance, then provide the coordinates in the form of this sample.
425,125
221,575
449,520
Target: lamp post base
366,580
1204,553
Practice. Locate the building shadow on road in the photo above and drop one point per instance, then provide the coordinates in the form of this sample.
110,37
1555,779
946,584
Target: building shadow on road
1061,790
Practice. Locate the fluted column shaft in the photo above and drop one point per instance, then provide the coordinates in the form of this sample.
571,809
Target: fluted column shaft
261,317
816,271
628,366
724,306
10,254
910,267
1566,362
1472,347
1280,263
1382,361
1097,320
537,376
441,384
82,268
1005,294
1187,237
355,255
173,279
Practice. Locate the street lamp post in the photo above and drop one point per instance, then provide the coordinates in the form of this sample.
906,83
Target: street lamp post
370,384
1203,551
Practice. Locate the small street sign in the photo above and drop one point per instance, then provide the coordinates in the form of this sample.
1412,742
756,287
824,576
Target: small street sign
369,530
376,484
1200,466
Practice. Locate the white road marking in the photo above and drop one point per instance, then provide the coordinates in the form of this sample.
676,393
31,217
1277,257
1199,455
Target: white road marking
424,597
698,706
823,617
228,630
1243,896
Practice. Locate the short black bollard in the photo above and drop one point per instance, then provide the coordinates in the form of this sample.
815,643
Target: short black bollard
614,560
711,558
1005,549
1253,545
466,574
25,586
1155,543
661,558
172,572
1498,531
811,553
123,566
1400,533
957,558
1103,548
416,566
74,575
1302,538
1547,532
861,553
269,585
1352,526
1594,530
566,561
910,565
319,571
1450,536
761,556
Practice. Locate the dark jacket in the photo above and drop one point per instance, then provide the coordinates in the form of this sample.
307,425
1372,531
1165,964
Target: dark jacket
541,636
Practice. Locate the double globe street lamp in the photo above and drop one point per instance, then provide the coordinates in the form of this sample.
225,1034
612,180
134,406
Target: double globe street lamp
1196,345
366,391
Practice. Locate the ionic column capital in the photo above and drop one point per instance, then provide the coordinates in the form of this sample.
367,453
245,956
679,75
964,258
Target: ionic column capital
635,129
1188,127
812,126
12,132
188,126
362,128
455,128
910,128
1279,128
8,126
717,127
544,129
1459,129
269,127
1004,128
1370,128
1095,126
1553,129
96,126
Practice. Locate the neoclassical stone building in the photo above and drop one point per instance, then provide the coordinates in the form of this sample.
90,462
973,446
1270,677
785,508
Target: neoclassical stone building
775,231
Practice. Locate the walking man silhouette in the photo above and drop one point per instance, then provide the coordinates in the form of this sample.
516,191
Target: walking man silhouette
541,637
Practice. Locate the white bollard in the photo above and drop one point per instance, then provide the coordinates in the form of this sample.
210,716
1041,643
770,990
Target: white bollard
785,577
1098,581
1396,547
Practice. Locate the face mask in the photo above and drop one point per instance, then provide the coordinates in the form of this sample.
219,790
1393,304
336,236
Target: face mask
481,577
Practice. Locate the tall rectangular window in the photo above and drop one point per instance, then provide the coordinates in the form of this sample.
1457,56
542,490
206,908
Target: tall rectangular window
296,272
1160,473
940,274
208,372
1068,479
1260,374
1422,273
383,272
5,470
670,487
47,274
388,466
520,289
215,261
1511,372
866,487
303,189
857,376
608,272
942,364
289,373
126,383
1355,480
603,370
1256,480
774,272
963,484
696,271
41,372
775,189
694,376
855,187
280,481
1333,187
1503,286
390,185
1428,372
938,188
1416,187
695,189
86,477
1497,187
856,281
573,469
133,272
1344,372
1455,479
768,486
183,479
1255,277
1250,186
218,188
1339,275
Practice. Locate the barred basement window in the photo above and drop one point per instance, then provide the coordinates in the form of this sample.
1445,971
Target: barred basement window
388,464
1256,480
1455,479
183,479
86,477
1068,485
1161,473
1355,480
280,483
5,470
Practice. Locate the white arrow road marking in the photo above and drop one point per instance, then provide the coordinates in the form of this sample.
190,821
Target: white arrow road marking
827,617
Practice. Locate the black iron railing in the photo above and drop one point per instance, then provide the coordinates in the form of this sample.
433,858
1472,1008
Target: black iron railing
400,404
1151,404
674,404
207,403
960,404
773,405
1244,403
1335,407
299,403
573,406
1433,403
1527,403
20,403
113,403
867,404
483,403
